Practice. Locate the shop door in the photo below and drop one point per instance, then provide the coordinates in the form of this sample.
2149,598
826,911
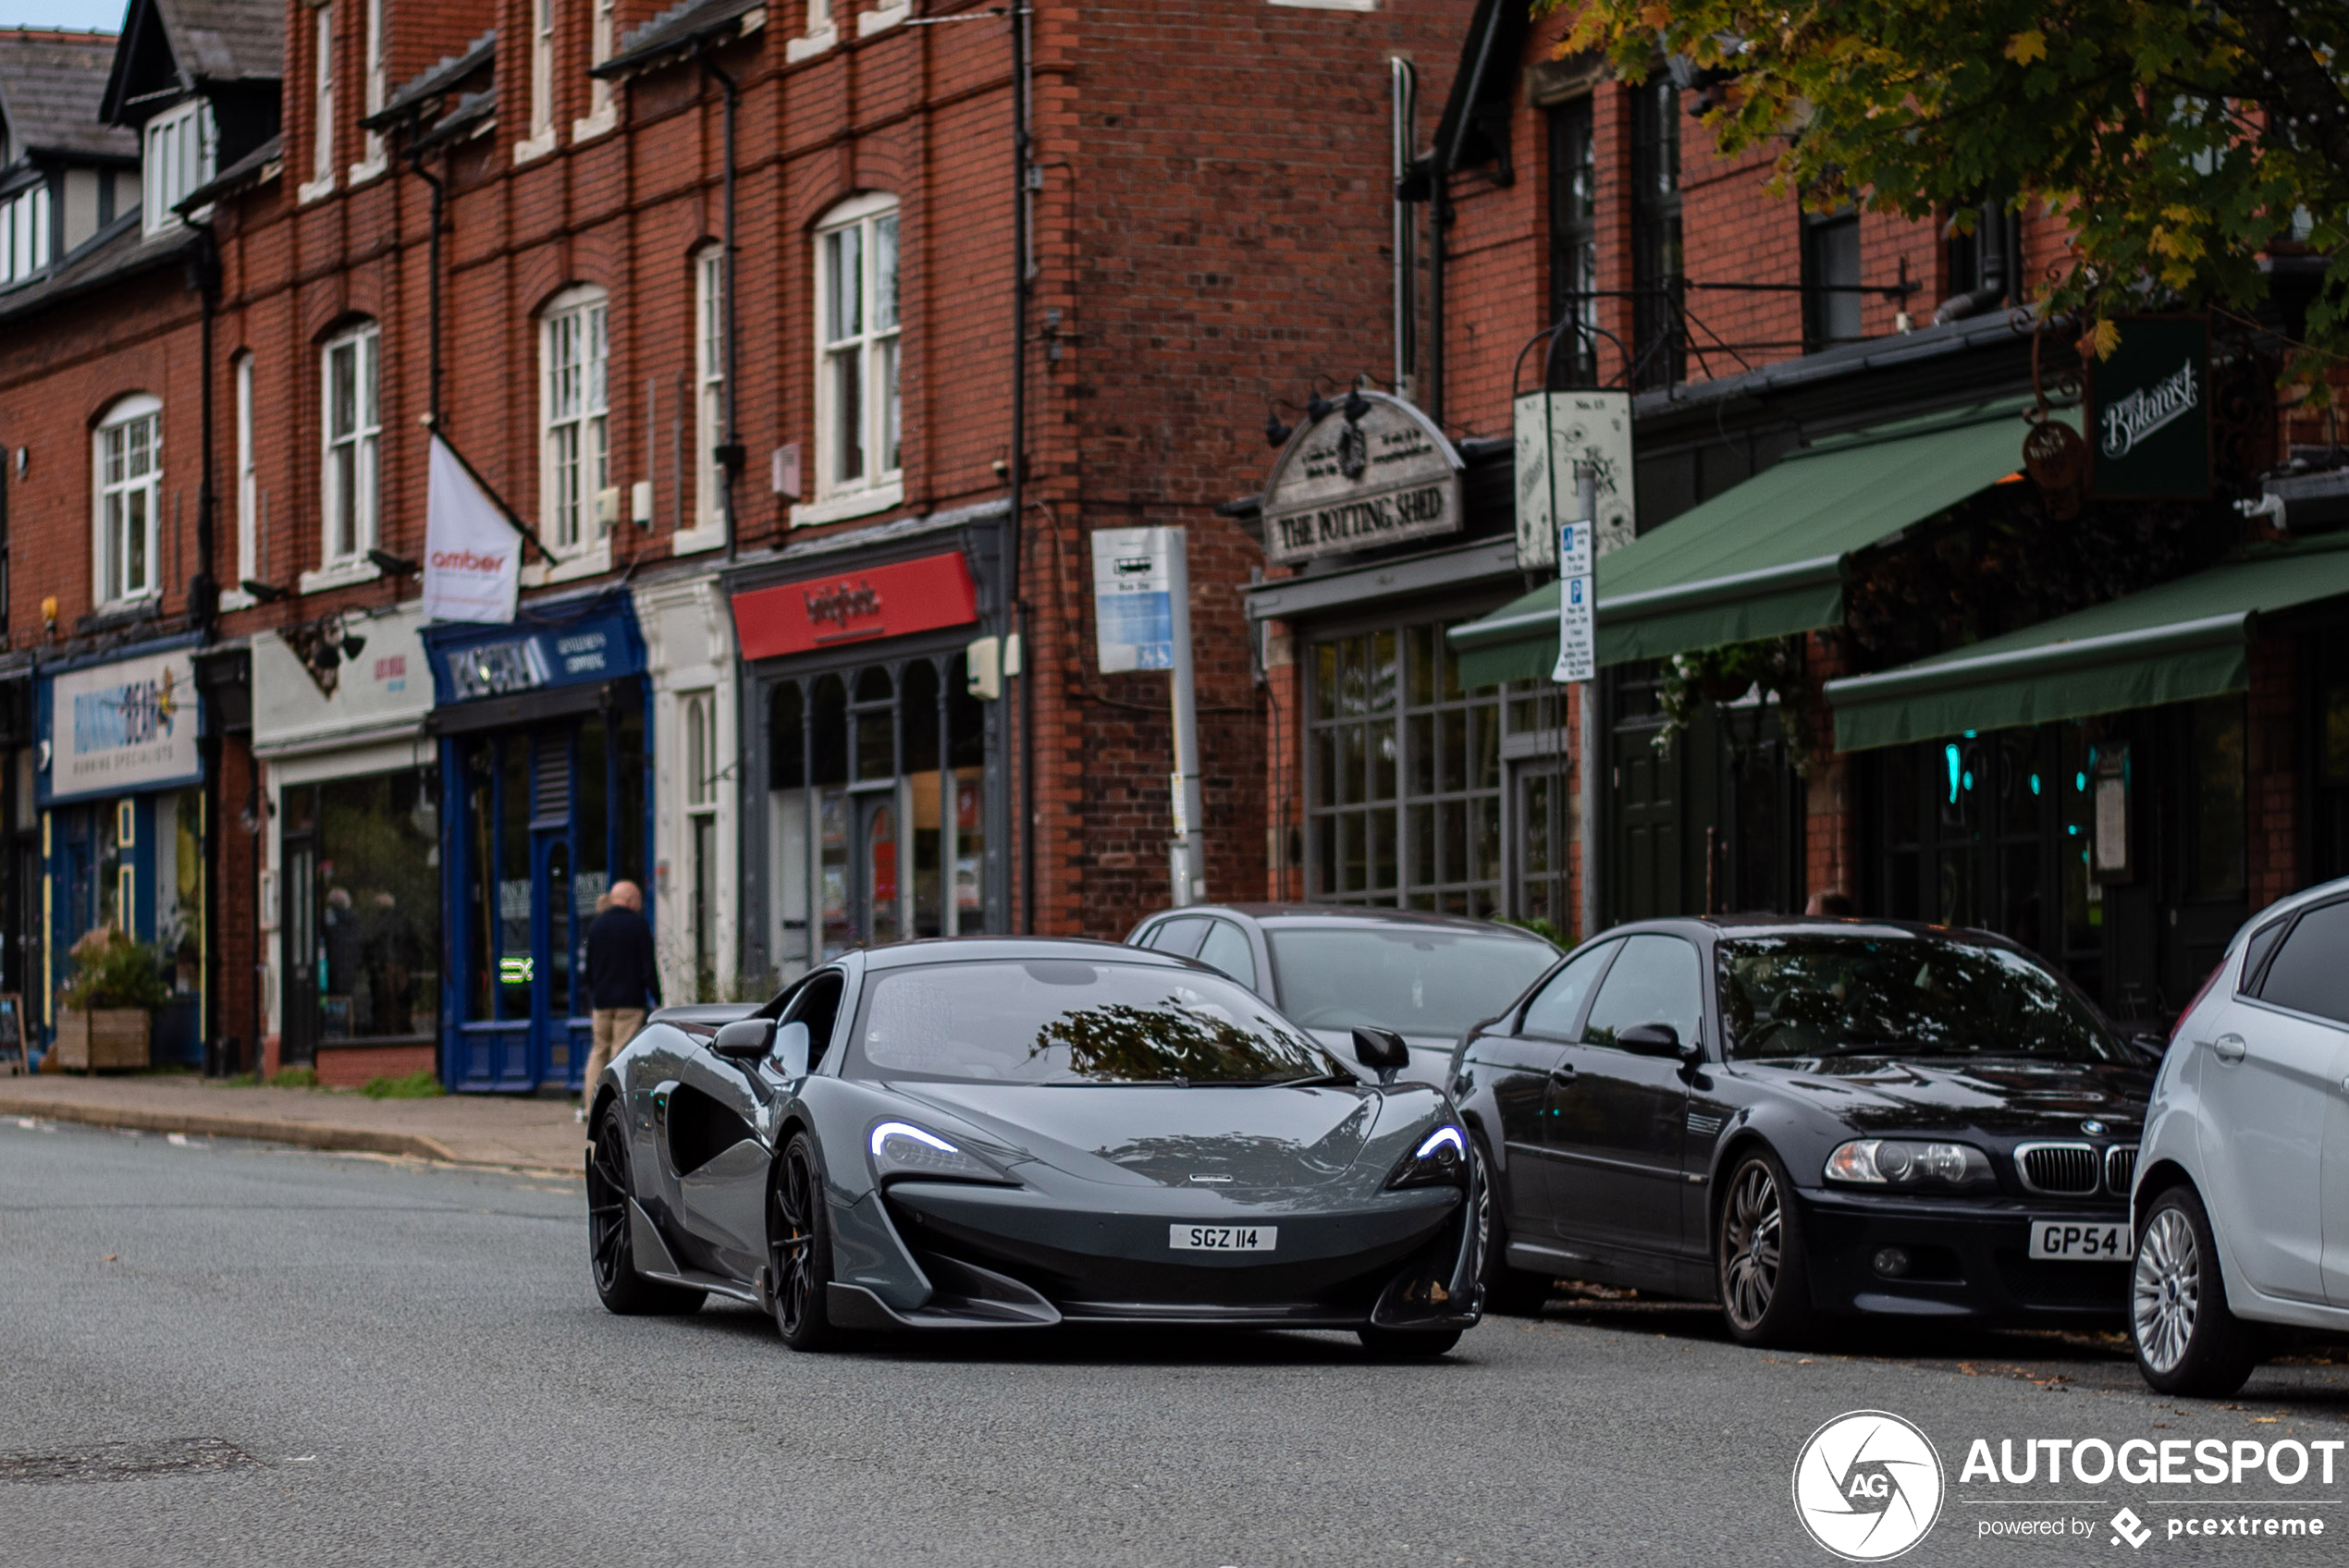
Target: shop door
879,830
297,1027
556,958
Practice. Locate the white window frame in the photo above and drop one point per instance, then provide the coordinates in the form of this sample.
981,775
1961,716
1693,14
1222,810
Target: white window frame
122,488
603,111
25,235
541,140
234,596
821,33
321,106
350,470
862,334
177,147
708,514
574,430
376,89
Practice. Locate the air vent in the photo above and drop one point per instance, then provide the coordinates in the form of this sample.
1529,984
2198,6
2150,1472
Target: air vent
2120,1168
2058,1167
550,789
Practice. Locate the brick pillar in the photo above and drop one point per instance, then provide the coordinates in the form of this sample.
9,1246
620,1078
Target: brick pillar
2272,848
1284,766
1831,825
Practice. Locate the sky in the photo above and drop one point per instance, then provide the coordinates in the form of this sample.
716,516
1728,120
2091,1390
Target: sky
104,14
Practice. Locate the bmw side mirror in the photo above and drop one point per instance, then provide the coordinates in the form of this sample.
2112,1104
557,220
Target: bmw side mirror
744,1040
1383,1051
793,1044
1650,1039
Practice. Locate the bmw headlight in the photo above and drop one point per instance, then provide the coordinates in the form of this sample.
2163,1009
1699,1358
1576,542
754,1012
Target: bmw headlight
1908,1162
1439,1161
900,1148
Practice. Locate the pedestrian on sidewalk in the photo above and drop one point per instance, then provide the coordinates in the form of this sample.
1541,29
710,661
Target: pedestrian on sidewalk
621,980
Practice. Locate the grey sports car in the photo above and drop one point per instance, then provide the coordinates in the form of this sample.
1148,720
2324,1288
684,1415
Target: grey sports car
990,1132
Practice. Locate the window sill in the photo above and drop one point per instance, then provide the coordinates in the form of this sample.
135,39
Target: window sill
536,148
692,541
360,173
342,574
323,185
808,48
602,123
587,562
1327,4
871,22
236,599
856,502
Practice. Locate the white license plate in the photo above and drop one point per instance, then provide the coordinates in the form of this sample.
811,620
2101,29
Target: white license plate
2080,1240
1221,1238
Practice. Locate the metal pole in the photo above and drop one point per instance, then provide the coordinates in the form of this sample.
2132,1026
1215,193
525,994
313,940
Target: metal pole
1586,497
1023,750
1188,851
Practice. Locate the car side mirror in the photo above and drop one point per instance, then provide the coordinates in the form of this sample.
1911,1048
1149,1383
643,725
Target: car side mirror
795,1045
744,1040
1382,1050
1650,1039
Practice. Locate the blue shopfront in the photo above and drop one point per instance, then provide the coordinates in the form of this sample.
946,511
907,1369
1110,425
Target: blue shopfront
119,784
546,779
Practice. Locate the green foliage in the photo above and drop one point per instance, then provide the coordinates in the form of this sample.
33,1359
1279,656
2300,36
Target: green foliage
1543,927
2178,140
421,1084
111,971
294,1078
1773,667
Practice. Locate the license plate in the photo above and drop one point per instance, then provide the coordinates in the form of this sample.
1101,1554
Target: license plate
2080,1240
1221,1238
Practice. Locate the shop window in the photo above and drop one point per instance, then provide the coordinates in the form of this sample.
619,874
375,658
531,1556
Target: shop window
366,932
128,456
856,402
352,424
2216,753
573,408
699,710
1574,244
1403,774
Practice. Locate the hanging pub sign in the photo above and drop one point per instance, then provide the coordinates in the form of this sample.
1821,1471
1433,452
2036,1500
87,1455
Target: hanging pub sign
1347,482
2151,402
1557,432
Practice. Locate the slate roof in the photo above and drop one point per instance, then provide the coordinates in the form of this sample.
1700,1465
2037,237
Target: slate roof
436,80
227,41
50,83
674,31
121,249
249,170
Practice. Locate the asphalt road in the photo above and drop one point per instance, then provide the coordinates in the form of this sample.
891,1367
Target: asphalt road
222,1353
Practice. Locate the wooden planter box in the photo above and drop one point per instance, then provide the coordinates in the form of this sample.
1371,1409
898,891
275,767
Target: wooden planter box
106,1039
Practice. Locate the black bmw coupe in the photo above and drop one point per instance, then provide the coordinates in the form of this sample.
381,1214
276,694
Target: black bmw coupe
1799,1118
1006,1134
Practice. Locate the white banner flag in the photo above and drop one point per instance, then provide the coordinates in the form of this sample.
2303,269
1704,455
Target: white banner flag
472,556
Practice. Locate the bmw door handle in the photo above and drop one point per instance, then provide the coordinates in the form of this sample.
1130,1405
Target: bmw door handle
2227,1047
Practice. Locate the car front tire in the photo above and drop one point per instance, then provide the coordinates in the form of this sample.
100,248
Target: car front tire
1509,1293
1766,1291
799,1244
2187,1340
611,1252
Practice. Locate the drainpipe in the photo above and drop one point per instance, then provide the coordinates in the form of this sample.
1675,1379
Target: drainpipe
203,595
1403,88
1439,208
731,455
432,263
1021,152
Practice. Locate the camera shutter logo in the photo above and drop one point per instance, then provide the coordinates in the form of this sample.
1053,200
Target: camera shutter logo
1867,1486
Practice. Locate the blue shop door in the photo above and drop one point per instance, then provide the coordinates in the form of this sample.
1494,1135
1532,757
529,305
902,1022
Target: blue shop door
563,1034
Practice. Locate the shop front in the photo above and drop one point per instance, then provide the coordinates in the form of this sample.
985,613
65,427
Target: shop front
875,786
545,801
119,784
351,904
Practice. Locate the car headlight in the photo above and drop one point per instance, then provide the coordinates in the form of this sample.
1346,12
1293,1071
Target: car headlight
1906,1162
900,1148
1440,1160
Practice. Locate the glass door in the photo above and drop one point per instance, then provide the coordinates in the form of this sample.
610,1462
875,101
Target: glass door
877,879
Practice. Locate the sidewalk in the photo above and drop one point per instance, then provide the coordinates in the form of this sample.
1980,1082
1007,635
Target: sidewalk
464,1129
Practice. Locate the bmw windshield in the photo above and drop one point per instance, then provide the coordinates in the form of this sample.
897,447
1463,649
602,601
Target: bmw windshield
1899,995
1415,980
1063,1021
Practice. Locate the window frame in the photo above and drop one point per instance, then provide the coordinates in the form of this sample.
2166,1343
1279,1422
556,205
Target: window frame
363,342
1658,240
584,312
28,235
709,391
167,176
1820,307
1574,237
248,489
138,408
867,345
322,100
374,89
542,68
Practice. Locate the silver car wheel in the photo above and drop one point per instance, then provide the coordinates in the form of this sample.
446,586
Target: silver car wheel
1750,1234
2167,1293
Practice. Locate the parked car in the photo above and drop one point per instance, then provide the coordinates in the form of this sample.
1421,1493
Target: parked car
2242,1202
998,1134
1428,978
1799,1118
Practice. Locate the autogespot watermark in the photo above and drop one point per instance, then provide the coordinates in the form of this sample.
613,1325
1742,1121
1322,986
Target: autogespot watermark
1869,1485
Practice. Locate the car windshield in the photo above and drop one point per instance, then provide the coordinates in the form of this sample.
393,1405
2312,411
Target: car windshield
1064,1021
1885,994
1414,980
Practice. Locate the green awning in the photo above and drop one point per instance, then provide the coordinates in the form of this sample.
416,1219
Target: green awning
2175,644
1764,559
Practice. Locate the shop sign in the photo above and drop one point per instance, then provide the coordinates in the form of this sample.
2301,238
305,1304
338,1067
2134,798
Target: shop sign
512,661
1343,484
1134,572
117,728
386,685
1556,433
2151,401
853,606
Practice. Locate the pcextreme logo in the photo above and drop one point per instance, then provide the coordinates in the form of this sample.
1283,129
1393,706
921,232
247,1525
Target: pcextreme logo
1867,1486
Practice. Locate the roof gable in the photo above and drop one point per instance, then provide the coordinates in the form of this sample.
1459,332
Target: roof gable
170,46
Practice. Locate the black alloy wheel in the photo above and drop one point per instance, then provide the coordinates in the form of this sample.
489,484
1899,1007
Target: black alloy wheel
1408,1344
623,1290
1764,1293
1511,1292
799,1247
2187,1340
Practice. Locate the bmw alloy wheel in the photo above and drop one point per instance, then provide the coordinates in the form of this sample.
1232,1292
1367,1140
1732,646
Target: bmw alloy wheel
1753,1236
2168,1289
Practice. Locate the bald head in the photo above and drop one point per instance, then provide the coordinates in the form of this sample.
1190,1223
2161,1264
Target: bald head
627,895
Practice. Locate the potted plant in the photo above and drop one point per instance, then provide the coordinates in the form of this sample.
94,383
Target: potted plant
109,1018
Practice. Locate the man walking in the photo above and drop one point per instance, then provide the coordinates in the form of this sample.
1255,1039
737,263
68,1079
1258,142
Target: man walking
621,980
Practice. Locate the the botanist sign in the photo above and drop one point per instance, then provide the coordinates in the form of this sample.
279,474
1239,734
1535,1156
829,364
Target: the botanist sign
1343,484
2151,434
